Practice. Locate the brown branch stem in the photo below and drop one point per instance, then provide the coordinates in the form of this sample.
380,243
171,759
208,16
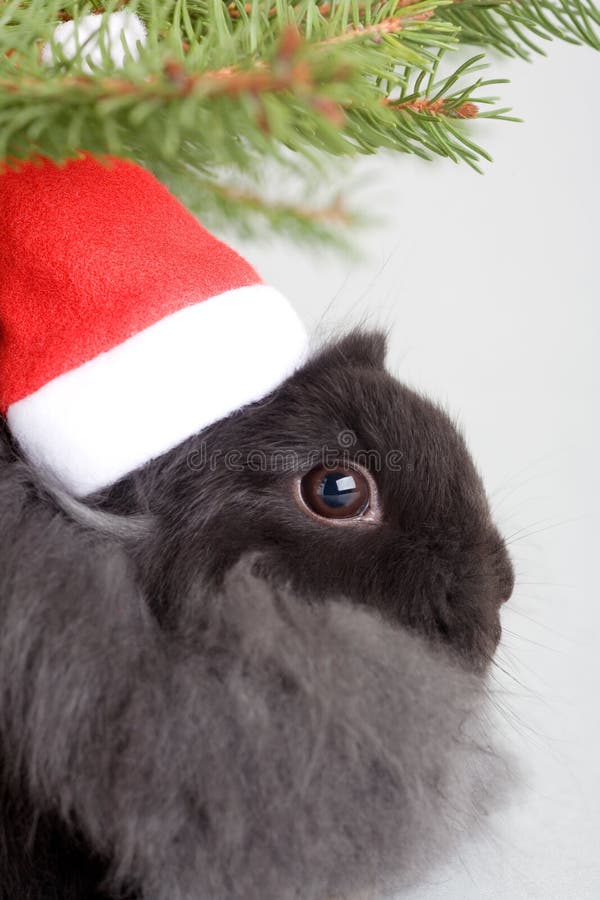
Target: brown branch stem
334,214
437,107
375,31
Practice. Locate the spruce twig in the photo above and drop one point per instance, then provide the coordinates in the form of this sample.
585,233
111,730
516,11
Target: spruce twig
225,88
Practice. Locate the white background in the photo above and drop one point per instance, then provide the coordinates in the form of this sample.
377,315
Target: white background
489,287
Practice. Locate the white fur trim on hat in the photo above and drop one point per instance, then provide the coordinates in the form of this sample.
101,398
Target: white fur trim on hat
94,424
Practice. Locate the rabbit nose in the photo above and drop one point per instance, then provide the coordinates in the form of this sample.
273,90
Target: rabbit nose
507,579
502,570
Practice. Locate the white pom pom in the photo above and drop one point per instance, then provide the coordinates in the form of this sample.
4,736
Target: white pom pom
85,34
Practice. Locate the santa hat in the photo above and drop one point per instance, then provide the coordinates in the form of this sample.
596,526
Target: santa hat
125,327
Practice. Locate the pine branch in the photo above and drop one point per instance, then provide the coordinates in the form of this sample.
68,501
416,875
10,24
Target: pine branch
515,27
254,213
520,27
429,112
224,87
296,94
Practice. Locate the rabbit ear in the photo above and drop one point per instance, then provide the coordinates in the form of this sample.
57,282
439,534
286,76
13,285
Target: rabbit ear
366,349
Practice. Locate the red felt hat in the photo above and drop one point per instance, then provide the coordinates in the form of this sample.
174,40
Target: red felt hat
125,327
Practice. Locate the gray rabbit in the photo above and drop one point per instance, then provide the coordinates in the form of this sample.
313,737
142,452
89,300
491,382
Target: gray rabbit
255,667
248,596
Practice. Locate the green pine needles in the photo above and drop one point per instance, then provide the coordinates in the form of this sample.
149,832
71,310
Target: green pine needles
230,100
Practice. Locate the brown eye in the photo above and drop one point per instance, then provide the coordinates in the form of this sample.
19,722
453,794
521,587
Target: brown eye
336,493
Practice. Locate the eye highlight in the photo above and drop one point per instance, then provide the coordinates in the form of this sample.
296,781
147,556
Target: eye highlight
338,493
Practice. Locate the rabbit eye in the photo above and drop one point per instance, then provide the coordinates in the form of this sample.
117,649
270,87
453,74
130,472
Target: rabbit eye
336,493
